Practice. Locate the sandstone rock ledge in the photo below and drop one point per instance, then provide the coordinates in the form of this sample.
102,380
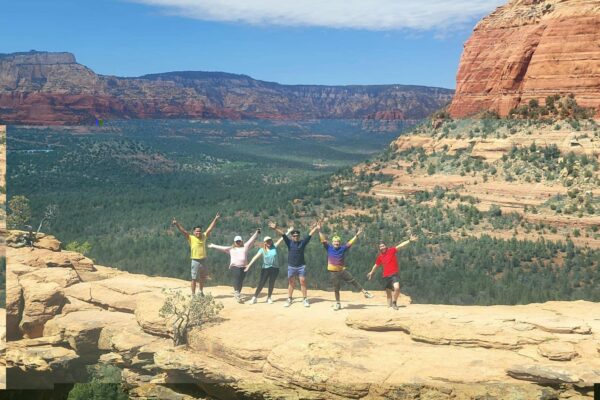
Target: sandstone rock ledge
68,312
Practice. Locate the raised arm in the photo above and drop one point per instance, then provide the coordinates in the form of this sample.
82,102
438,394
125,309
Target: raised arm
178,225
278,242
212,224
322,236
223,249
273,225
314,228
406,242
351,241
252,239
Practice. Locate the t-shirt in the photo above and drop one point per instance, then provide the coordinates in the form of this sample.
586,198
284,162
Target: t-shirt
335,257
296,251
197,247
389,261
269,258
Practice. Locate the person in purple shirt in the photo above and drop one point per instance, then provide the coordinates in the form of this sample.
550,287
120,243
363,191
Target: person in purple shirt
336,266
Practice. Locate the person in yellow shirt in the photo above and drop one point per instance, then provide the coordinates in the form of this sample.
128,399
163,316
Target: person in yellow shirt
197,243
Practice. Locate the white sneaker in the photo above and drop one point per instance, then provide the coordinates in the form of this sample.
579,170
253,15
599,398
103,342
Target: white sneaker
306,303
367,294
252,300
269,300
337,307
288,302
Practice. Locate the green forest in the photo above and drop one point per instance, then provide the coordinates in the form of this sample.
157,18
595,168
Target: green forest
118,188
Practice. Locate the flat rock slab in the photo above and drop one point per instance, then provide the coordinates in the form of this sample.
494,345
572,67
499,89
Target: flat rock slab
266,350
43,258
547,374
558,351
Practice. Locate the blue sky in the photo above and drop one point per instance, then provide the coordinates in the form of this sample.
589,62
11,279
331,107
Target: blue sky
336,42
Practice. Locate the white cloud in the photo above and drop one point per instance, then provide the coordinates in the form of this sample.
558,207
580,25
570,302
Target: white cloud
353,14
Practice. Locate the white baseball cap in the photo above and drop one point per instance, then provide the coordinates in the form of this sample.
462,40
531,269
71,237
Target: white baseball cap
238,237
267,238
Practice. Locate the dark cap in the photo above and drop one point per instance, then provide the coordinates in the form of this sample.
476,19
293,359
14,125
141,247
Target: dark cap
295,231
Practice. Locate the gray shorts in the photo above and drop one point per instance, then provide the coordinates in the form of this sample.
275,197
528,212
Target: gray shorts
199,270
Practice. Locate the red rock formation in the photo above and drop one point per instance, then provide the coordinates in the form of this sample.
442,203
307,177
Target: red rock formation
52,88
530,49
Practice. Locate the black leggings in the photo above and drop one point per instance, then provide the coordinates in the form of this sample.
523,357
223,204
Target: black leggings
271,275
338,277
238,278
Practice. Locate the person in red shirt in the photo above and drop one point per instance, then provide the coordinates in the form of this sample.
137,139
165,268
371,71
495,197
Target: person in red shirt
387,259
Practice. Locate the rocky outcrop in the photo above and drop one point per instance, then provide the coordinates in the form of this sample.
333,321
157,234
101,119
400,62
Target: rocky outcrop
366,350
530,49
52,88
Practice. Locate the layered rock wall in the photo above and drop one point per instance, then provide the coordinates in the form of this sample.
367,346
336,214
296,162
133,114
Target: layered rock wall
530,49
52,88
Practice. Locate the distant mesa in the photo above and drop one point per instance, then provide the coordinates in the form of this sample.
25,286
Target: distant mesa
52,88
530,49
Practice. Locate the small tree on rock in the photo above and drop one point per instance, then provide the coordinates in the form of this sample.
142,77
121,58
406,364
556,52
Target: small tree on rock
19,212
187,311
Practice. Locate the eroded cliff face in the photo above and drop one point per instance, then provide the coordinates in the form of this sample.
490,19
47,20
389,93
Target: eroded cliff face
530,49
64,312
52,88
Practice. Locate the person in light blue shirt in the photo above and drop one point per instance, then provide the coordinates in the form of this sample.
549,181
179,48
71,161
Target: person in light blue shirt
270,267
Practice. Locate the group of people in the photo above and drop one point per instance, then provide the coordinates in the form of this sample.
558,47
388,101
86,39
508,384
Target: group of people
336,254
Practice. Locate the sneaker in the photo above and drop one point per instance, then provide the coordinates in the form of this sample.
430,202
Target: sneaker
201,294
288,302
389,304
337,307
269,300
394,306
368,295
306,303
252,300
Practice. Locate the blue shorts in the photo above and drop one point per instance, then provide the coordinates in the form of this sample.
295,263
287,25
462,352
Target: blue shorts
199,270
293,271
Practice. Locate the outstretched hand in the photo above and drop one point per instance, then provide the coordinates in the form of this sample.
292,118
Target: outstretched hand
272,225
369,275
218,215
360,231
174,222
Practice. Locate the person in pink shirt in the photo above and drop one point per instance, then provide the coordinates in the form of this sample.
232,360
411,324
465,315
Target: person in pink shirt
387,258
238,253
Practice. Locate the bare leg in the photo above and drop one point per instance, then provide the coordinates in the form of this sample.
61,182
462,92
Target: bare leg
201,281
303,285
291,284
194,286
396,291
388,293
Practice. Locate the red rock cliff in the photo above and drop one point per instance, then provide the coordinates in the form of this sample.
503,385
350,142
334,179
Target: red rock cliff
52,88
529,49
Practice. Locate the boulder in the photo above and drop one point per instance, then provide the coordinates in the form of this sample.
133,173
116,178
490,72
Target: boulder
41,302
81,329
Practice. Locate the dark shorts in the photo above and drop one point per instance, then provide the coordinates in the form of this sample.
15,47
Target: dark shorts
388,281
337,277
293,271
